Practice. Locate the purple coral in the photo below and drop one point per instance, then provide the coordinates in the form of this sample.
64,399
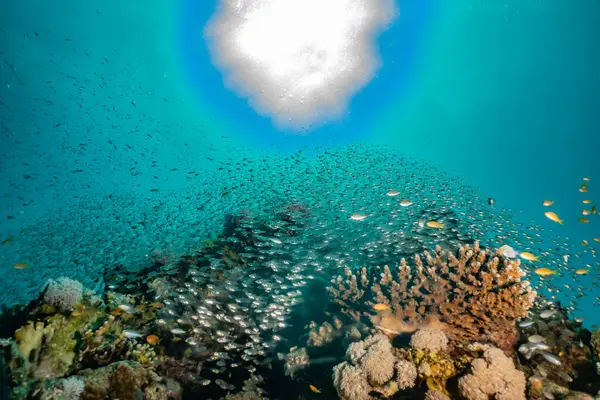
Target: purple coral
63,293
495,376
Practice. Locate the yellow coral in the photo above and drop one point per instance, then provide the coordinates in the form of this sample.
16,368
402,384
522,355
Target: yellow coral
29,340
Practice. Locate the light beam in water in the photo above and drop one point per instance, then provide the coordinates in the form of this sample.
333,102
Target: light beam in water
298,61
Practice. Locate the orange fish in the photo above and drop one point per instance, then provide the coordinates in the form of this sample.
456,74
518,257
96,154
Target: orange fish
582,271
528,256
584,220
583,188
597,239
548,203
381,307
553,217
435,224
545,271
587,202
152,339
314,389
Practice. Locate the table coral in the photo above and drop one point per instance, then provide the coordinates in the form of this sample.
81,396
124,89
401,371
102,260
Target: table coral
473,295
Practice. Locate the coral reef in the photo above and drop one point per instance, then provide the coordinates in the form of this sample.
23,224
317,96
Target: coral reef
67,389
372,367
430,339
556,352
120,380
63,293
407,374
374,356
596,346
493,376
296,360
321,335
475,295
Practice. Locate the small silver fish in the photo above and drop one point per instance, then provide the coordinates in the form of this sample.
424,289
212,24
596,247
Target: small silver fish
132,334
565,376
547,314
526,324
539,346
177,331
551,358
536,339
127,308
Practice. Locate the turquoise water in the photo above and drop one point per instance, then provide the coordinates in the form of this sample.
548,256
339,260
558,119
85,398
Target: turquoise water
121,137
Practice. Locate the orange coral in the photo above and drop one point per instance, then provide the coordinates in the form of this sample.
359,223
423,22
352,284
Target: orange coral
473,295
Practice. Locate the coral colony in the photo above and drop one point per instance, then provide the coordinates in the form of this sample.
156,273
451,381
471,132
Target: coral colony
360,292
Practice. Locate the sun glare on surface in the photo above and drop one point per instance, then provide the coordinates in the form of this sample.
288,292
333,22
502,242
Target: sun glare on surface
298,61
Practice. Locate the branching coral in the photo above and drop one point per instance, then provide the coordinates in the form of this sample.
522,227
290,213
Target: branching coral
475,294
493,376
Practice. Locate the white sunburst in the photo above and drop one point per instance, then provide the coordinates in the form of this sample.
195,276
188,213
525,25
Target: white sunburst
298,61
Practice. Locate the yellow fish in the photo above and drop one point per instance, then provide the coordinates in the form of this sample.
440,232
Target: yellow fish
528,256
381,307
587,202
584,220
435,224
545,271
553,217
585,212
358,217
548,203
314,389
597,239
584,242
20,266
582,271
393,193
583,188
